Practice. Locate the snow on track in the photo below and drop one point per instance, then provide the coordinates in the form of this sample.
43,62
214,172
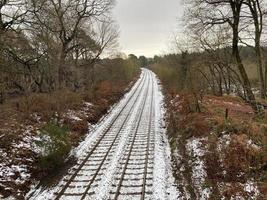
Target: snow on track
126,156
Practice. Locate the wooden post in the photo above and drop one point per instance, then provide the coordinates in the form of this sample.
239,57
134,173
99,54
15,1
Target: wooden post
226,113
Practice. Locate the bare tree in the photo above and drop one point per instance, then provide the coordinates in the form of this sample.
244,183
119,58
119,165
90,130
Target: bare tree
205,14
256,18
91,47
66,18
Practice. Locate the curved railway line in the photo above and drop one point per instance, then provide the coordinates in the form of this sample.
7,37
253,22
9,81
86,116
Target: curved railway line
100,158
138,141
119,162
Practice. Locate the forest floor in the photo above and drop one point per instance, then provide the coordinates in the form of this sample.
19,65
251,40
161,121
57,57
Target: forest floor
217,156
23,118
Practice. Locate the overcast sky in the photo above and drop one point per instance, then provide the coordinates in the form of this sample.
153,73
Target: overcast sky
146,26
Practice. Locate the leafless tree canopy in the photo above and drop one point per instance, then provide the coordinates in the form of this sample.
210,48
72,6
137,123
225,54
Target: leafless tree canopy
215,26
51,44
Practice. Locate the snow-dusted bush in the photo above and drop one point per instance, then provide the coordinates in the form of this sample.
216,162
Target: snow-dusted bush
55,146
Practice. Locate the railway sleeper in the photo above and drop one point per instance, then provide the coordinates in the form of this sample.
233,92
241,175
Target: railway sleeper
131,193
137,174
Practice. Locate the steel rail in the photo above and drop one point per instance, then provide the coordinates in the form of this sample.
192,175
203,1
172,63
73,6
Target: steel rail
139,86
117,193
107,153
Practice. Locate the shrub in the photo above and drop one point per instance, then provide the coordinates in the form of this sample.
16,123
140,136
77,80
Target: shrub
55,146
47,104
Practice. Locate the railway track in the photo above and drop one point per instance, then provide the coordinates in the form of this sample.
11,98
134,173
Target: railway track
85,176
137,165
119,162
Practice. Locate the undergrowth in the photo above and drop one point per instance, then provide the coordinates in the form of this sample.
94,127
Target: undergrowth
55,145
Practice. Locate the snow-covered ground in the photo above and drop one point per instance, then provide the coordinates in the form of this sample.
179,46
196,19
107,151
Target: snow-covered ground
196,150
102,155
15,164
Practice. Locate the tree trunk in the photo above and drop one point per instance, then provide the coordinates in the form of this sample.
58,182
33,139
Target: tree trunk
224,77
61,67
257,15
246,82
229,80
2,99
236,8
260,69
2,27
265,71
219,80
213,81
